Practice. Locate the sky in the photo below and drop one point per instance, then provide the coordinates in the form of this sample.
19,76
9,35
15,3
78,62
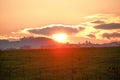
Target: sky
97,21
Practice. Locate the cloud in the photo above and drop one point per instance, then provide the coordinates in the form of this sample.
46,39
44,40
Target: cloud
91,35
109,26
98,22
107,18
95,27
52,29
111,35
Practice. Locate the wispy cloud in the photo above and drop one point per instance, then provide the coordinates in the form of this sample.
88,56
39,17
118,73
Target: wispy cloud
98,22
107,18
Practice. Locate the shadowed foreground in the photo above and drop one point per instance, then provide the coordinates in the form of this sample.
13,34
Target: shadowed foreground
61,64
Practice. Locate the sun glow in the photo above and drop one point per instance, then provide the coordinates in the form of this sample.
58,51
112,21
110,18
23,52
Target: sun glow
60,37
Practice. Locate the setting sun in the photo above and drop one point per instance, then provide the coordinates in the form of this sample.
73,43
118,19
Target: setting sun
60,37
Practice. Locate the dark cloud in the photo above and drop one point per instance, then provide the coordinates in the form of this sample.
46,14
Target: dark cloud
109,26
55,29
91,35
98,22
112,35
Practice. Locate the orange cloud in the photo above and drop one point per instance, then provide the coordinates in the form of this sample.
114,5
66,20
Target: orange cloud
99,24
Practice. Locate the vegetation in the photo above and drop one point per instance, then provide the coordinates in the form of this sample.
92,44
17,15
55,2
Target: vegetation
61,64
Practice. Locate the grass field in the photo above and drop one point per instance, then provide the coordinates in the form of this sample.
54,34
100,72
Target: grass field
61,64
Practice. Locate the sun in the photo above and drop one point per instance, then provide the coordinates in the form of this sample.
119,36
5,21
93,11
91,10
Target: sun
60,37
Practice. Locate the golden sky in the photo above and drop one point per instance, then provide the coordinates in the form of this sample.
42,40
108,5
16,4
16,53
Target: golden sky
18,15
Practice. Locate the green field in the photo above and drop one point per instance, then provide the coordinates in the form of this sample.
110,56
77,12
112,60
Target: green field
61,64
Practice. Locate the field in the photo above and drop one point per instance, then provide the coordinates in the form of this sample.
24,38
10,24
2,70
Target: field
61,64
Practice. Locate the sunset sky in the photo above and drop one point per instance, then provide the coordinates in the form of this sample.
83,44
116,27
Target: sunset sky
97,21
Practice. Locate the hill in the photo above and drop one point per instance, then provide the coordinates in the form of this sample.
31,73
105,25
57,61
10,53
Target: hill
39,42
